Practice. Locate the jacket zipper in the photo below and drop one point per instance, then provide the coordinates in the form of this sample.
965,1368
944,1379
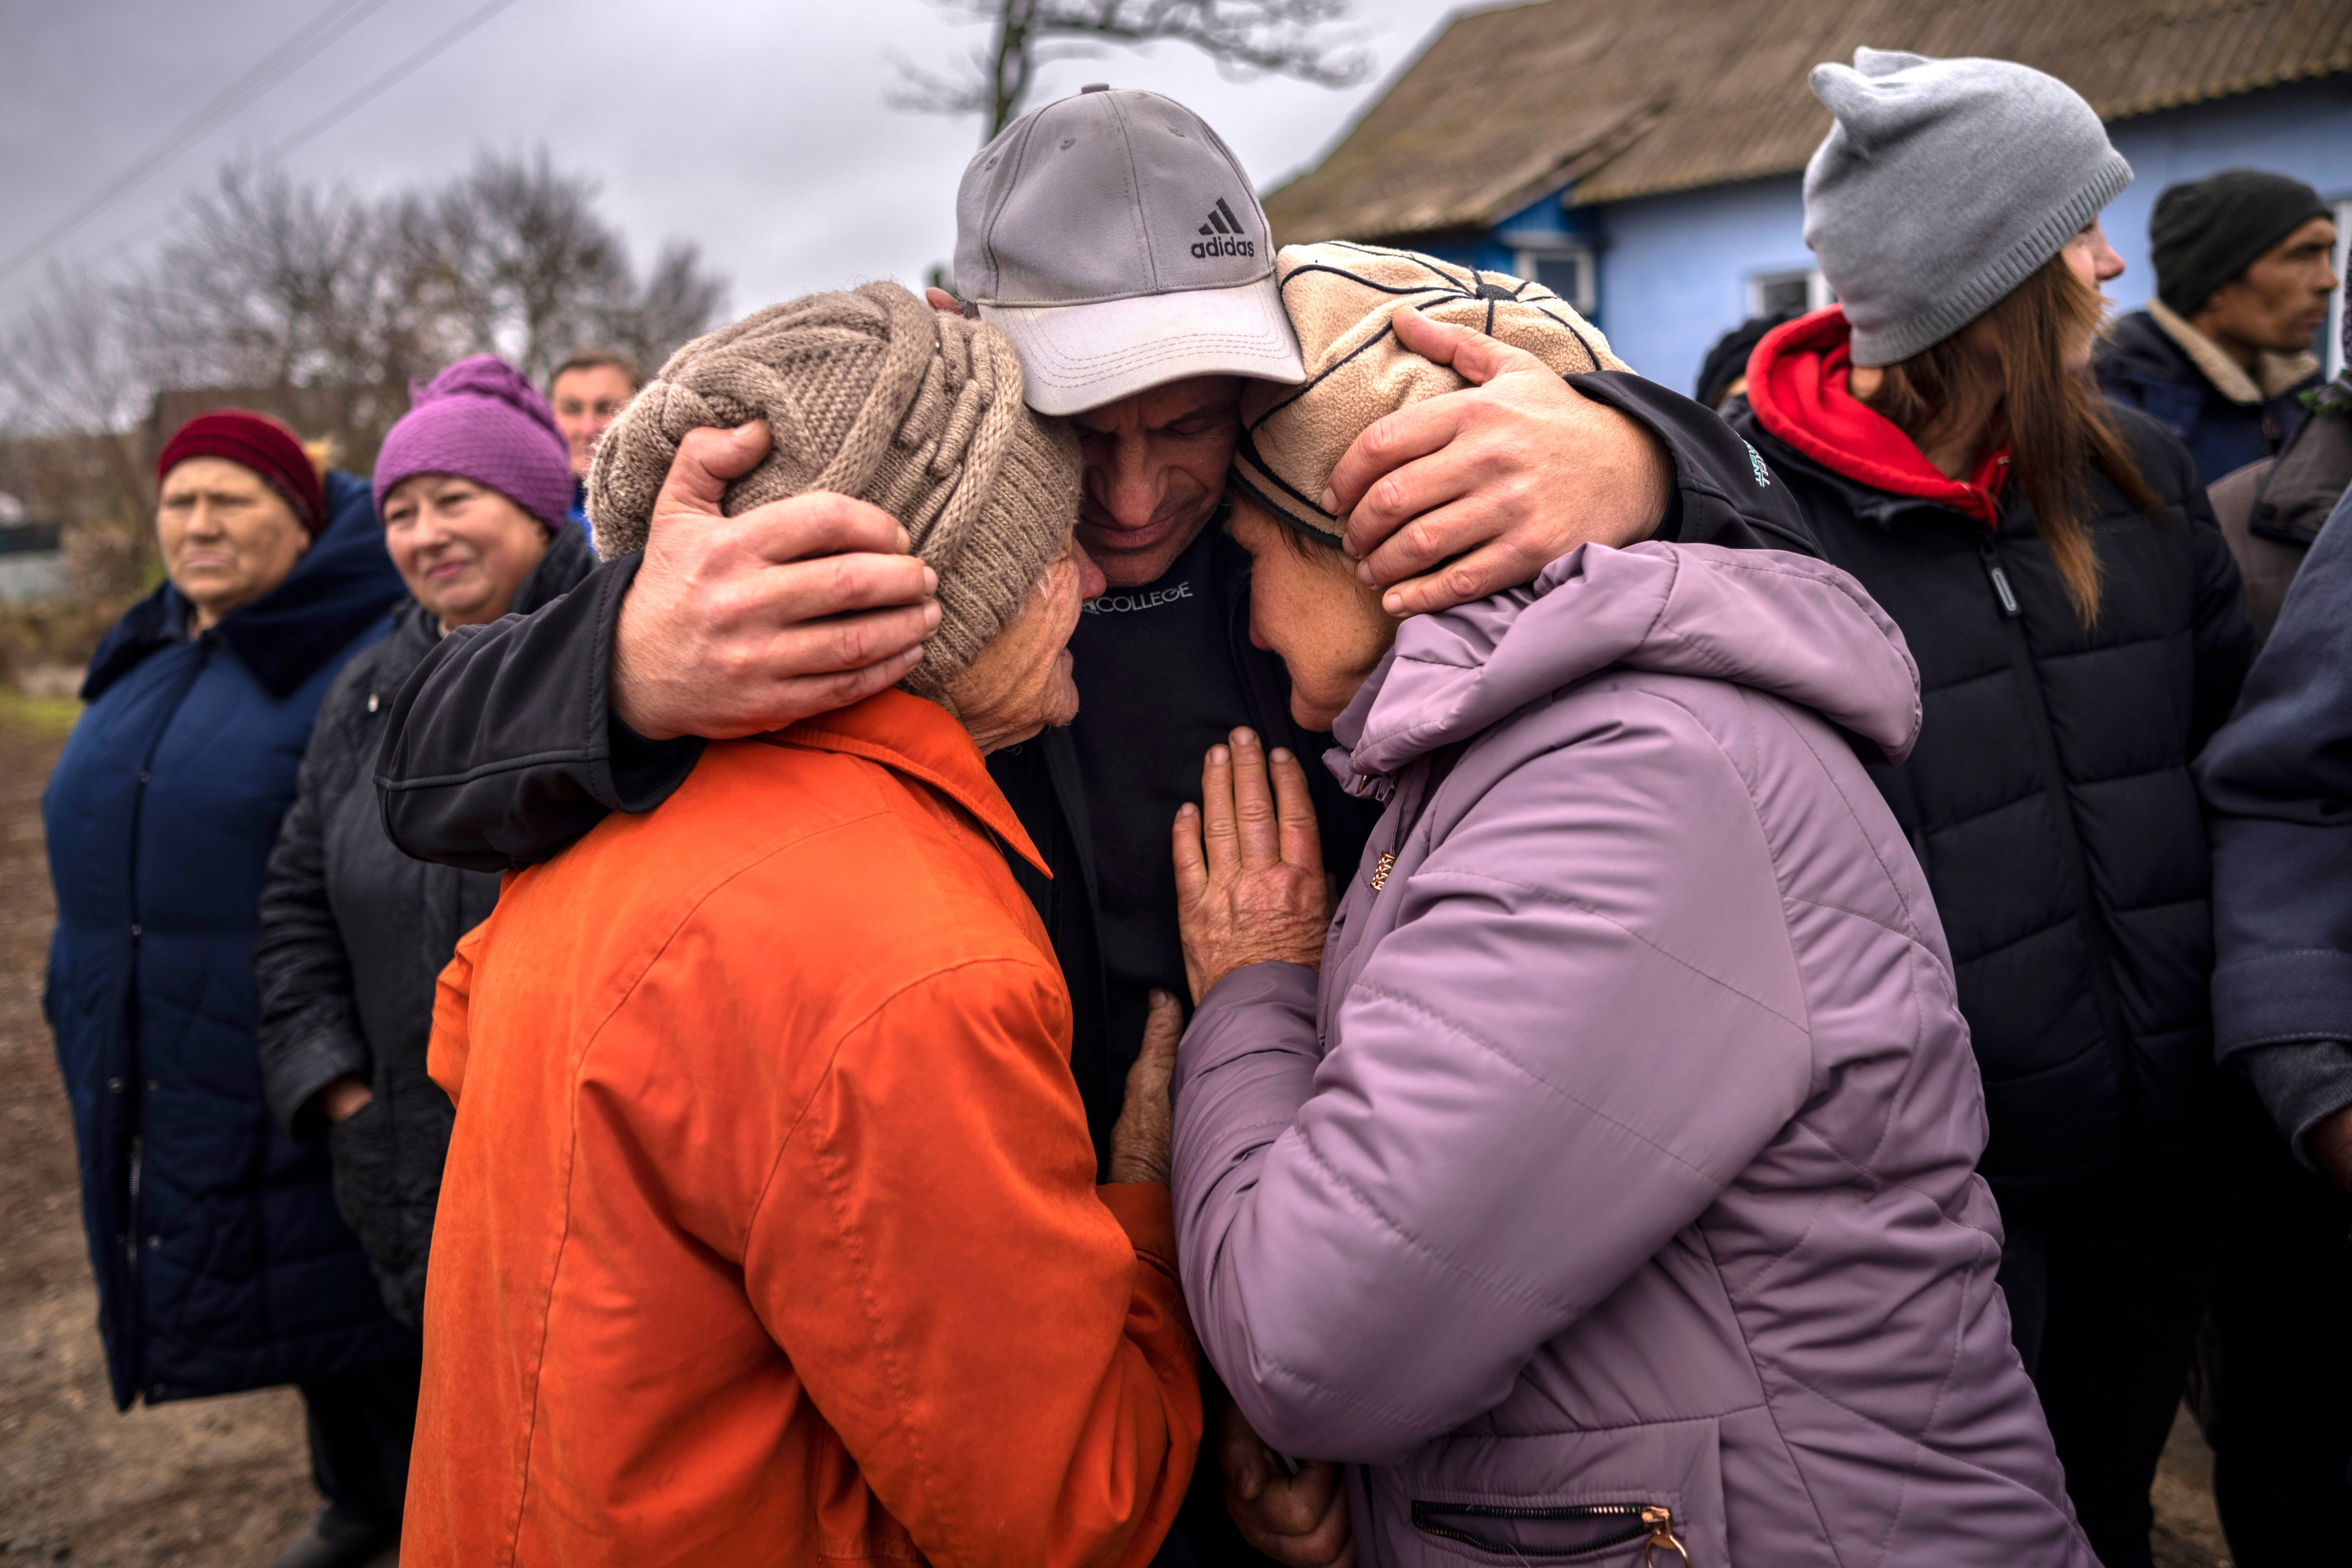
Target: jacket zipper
2096,937
1433,770
134,1076
1650,1523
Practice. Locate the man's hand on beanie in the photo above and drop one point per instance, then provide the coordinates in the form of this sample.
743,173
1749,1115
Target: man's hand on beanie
736,625
1462,496
947,304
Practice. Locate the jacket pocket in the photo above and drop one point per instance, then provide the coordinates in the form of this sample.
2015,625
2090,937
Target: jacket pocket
1570,1533
360,1149
1646,1496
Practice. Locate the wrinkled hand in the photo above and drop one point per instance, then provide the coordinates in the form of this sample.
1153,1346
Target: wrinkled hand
2331,1147
1457,497
1139,1139
1249,866
736,625
1300,1521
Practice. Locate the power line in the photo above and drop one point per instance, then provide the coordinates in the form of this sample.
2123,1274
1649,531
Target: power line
367,94
304,45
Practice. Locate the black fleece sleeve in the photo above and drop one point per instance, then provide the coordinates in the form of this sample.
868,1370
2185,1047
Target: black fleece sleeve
503,747
308,1031
1724,494
2277,784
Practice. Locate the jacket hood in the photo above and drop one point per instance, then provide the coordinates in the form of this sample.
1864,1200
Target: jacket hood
1782,623
341,584
1797,382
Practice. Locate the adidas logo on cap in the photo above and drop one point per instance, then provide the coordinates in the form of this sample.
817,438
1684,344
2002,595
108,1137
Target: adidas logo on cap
1224,231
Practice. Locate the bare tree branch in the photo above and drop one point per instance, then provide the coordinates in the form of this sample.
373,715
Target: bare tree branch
1245,38
74,393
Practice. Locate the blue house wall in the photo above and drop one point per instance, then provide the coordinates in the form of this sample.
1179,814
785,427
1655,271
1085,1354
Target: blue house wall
1674,270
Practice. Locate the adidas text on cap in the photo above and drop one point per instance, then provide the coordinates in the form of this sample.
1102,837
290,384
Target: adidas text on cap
1114,238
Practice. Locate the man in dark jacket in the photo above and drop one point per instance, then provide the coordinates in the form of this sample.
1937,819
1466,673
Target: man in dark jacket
511,742
2277,783
2220,357
2272,510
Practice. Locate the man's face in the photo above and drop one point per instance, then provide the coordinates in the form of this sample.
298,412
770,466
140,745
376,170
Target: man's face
2279,301
1155,468
586,401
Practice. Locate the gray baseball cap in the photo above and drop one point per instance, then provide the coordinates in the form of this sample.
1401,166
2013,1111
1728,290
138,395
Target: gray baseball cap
1114,239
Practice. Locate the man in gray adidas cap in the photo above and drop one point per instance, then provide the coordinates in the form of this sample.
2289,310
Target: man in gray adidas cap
1114,238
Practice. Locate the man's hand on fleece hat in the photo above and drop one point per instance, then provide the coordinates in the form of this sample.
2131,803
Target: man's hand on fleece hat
736,625
1462,496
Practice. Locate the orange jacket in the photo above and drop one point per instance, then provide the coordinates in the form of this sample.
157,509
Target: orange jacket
770,1233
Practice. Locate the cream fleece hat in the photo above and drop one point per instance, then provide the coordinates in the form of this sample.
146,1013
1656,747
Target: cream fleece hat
876,396
1340,298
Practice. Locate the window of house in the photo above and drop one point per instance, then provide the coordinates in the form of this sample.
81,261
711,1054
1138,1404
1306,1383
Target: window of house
1770,293
1565,270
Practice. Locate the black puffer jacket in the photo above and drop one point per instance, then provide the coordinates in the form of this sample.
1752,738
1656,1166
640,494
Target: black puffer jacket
354,936
2049,798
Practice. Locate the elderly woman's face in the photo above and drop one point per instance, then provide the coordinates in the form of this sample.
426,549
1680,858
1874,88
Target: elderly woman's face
462,547
227,537
1308,609
1020,685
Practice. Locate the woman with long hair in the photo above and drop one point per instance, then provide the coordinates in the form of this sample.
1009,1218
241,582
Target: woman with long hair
2057,573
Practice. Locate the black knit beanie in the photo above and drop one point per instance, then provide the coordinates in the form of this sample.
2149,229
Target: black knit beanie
2205,232
1727,361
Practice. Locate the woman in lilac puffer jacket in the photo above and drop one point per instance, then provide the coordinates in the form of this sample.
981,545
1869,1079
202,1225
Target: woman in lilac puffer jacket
1610,1196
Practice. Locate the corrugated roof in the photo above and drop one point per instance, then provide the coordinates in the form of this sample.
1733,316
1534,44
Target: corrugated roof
1630,98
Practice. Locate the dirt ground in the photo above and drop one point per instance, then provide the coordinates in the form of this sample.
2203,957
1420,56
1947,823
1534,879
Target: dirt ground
222,1483
203,1483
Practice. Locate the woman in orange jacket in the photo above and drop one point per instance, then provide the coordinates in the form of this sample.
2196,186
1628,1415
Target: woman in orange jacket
770,1233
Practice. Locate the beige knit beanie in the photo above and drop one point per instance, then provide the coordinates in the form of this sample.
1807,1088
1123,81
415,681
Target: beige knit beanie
1340,297
876,396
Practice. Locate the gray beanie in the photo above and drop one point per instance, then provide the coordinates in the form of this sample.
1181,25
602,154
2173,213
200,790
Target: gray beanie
876,396
1942,187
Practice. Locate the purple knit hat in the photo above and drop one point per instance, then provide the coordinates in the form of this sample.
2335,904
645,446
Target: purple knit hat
480,420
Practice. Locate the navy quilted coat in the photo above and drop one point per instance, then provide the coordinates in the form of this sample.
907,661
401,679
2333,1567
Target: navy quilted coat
221,1261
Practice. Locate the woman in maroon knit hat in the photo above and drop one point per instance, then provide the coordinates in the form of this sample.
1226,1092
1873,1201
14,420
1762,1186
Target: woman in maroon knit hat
221,1261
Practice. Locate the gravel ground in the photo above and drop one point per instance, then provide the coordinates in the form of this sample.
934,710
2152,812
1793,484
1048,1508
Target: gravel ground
221,1483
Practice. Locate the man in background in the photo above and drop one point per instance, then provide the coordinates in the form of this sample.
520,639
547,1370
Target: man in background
2274,1382
588,392
2244,269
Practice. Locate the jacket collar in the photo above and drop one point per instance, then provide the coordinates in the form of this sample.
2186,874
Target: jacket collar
2279,372
339,587
1797,386
920,738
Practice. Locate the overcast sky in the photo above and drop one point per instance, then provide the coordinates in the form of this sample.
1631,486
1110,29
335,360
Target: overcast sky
755,128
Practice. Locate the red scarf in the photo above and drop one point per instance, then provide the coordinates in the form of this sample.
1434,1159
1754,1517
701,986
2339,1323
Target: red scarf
1797,381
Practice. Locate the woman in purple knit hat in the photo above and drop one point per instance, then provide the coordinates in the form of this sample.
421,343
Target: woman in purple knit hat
474,485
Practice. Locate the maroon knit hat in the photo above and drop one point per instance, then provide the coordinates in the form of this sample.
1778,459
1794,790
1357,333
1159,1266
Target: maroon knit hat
253,441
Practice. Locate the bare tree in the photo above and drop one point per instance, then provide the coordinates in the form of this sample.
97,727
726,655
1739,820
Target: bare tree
1246,38
73,391
275,286
517,262
678,302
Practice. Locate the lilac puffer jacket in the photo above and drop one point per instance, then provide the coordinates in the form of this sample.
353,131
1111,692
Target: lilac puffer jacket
1616,1180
